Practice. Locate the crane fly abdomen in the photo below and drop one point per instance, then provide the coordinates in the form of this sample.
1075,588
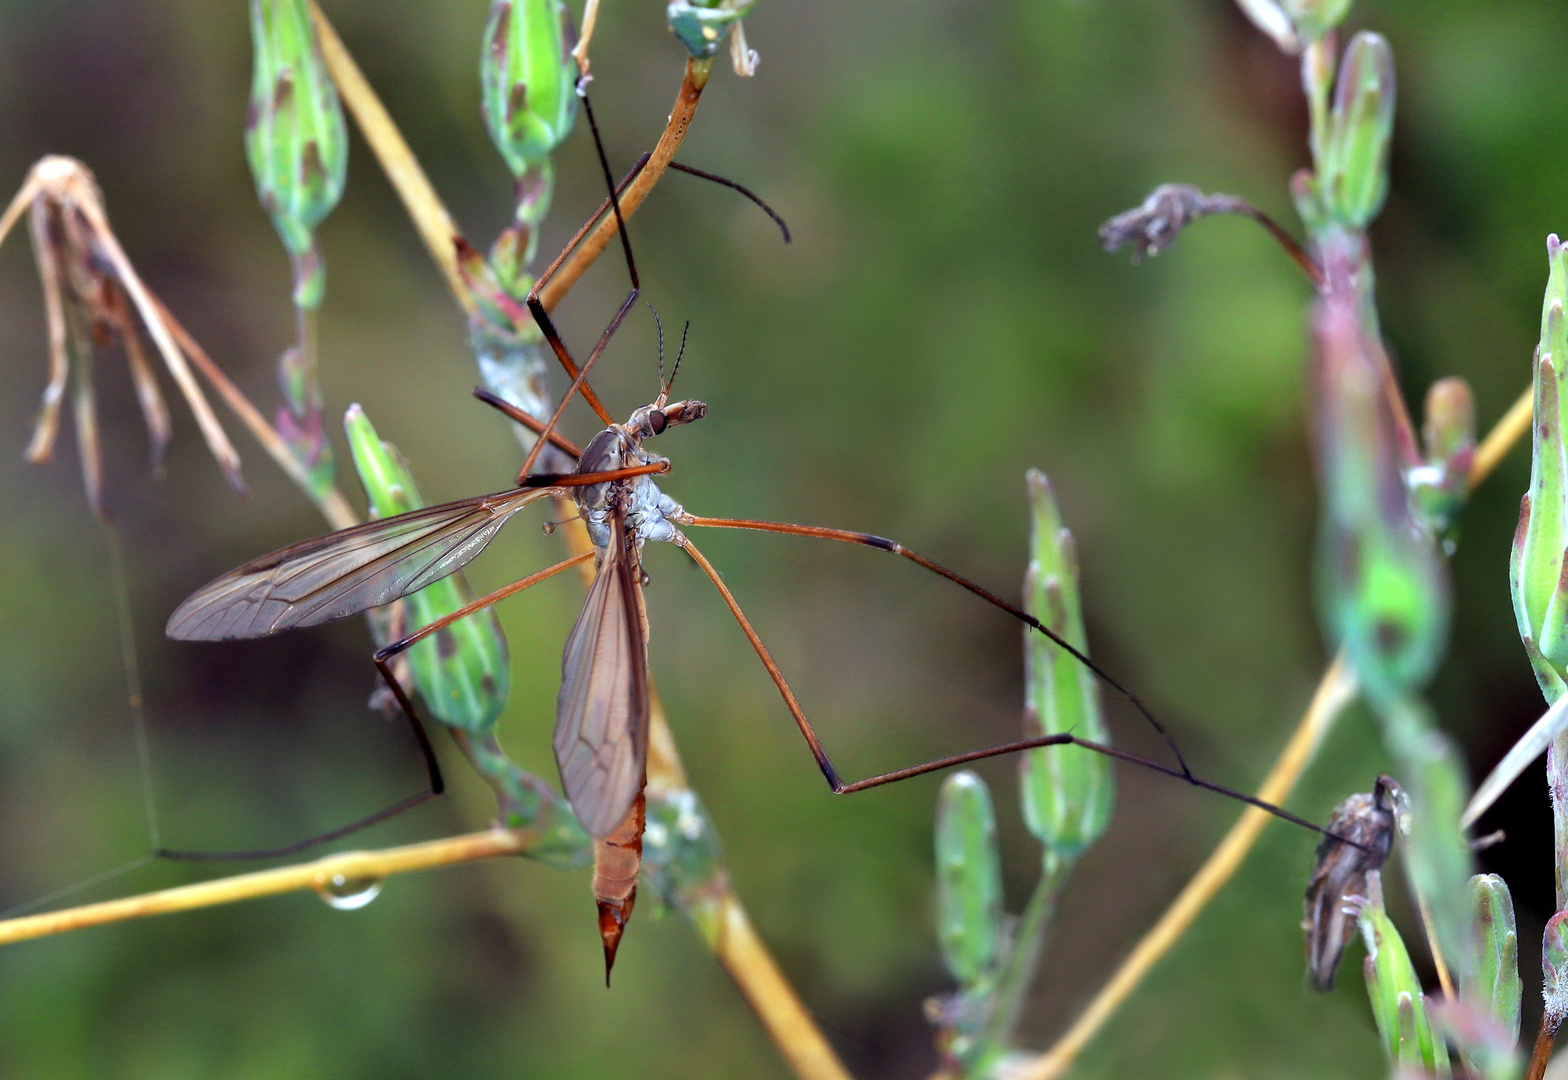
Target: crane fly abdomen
601,718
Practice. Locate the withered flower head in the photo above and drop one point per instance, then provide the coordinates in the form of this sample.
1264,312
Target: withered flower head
90,291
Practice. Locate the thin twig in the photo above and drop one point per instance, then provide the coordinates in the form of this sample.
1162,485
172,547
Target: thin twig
1334,690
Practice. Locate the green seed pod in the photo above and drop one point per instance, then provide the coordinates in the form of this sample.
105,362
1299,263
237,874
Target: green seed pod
1383,583
1066,791
968,880
527,80
1535,569
703,24
1554,968
1395,992
1499,976
528,91
462,671
295,137
1354,169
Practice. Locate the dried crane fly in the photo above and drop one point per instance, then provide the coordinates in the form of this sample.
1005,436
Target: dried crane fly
602,711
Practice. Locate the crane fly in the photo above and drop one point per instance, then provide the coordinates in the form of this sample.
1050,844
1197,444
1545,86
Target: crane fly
602,711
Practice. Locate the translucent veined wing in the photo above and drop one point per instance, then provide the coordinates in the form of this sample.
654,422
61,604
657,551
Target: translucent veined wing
345,572
601,715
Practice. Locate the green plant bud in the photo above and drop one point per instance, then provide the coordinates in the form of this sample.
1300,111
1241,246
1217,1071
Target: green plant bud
527,80
702,25
1354,168
1554,968
1498,984
1439,485
1395,993
968,880
295,137
683,860
1066,791
1383,582
1535,568
462,671
1314,18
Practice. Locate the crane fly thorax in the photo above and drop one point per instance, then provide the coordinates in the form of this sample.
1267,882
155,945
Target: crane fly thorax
645,510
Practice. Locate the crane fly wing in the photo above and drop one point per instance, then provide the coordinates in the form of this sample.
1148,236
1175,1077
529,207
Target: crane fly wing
601,715
345,572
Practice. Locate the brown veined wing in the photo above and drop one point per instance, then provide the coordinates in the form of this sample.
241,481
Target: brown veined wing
342,573
601,715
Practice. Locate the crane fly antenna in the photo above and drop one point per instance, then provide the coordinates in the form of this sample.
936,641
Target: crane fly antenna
660,326
674,371
733,186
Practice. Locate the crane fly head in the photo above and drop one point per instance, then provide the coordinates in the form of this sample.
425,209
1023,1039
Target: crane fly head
653,419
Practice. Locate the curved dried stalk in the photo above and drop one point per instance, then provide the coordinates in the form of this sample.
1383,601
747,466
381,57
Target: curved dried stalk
1335,689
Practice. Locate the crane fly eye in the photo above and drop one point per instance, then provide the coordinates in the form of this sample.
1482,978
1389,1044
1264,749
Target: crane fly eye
657,422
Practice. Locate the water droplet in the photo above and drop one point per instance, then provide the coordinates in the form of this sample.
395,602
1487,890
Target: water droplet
348,893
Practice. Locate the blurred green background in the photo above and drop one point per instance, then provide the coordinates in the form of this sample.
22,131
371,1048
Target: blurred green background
943,320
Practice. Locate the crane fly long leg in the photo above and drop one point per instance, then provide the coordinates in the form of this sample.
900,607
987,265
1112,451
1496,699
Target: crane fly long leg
881,543
537,307
588,479
432,766
542,318
579,381
528,420
386,652
831,772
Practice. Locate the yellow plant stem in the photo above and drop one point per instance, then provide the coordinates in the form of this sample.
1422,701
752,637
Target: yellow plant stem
408,178
1334,691
333,871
